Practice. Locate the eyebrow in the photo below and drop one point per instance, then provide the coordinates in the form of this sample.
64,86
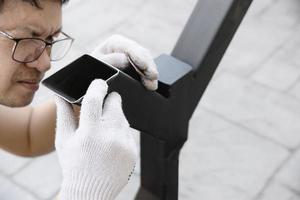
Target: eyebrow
36,33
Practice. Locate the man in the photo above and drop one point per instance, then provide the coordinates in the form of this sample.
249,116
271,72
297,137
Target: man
97,151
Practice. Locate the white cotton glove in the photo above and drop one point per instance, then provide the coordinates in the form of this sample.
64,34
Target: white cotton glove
116,50
99,155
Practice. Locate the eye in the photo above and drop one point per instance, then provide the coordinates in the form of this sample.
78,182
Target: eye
50,38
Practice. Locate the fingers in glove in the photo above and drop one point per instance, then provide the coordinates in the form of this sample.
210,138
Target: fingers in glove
66,123
115,43
112,110
150,84
118,60
140,56
91,107
143,60
151,72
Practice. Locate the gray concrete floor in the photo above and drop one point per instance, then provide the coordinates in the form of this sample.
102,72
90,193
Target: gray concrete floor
244,137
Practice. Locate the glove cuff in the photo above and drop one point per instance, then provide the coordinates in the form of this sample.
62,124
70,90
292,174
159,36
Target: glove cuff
80,186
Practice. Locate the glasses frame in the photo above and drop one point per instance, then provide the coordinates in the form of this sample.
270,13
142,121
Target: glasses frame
47,44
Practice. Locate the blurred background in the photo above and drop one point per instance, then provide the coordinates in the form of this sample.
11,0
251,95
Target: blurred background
244,136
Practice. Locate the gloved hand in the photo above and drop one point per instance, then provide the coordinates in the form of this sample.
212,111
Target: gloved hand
98,156
116,50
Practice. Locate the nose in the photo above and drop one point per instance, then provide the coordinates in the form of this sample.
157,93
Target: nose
42,64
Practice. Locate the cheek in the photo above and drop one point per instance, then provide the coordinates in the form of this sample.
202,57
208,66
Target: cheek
8,68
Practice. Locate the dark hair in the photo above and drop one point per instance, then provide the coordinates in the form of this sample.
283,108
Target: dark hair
32,2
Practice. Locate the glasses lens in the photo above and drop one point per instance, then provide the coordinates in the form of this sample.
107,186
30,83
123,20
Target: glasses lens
28,50
60,49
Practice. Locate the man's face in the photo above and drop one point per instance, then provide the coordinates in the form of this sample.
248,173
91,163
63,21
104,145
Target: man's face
18,81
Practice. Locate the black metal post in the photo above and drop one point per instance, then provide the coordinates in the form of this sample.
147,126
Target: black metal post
202,45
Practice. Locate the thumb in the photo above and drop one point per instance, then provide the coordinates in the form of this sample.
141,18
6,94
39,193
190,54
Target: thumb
91,106
65,122
113,111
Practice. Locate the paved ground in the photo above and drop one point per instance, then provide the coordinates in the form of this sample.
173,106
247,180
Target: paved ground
245,134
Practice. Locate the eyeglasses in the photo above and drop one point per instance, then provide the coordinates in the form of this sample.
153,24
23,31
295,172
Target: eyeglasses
27,50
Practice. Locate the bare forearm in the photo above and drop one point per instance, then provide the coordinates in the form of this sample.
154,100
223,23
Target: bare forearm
28,131
14,134
42,128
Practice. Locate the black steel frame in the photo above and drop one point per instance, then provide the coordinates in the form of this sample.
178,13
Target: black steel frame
201,45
